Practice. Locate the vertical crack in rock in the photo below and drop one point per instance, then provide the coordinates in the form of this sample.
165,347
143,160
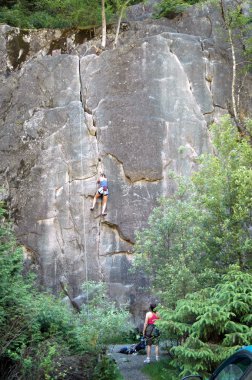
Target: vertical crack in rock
79,240
99,233
101,275
60,237
9,106
90,123
59,233
167,161
208,73
186,75
82,241
201,90
80,82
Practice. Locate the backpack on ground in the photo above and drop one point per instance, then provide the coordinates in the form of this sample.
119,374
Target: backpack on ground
134,348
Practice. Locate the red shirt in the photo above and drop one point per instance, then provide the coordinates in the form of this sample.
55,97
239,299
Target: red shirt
152,319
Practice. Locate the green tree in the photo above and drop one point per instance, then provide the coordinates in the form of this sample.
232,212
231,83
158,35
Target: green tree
212,323
61,14
223,190
53,14
197,233
38,332
237,24
71,13
101,321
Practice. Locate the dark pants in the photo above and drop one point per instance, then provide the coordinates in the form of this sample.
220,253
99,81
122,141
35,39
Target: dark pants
150,340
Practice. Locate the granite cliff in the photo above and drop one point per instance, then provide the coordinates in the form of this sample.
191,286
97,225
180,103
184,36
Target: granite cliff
69,110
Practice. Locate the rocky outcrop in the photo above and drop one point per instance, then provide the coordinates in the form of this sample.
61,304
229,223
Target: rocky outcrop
69,110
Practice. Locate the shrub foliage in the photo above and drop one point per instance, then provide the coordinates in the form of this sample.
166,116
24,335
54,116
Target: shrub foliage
38,332
198,252
211,323
57,13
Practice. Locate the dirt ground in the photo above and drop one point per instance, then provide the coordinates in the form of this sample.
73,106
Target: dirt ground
130,365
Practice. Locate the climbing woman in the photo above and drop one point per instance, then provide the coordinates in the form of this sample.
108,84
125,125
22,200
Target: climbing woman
151,332
101,192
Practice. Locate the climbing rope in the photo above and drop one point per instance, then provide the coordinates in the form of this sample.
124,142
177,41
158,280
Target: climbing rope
83,209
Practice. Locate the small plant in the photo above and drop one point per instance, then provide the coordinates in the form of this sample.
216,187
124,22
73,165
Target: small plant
161,370
106,369
172,8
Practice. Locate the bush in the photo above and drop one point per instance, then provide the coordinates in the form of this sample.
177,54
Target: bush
14,17
171,8
53,14
194,239
106,369
101,320
204,227
38,332
212,323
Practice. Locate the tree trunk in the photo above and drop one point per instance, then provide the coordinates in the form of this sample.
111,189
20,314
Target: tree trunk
73,303
119,23
234,104
104,31
228,25
118,29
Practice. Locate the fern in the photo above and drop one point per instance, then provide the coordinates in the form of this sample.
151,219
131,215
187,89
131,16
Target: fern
216,327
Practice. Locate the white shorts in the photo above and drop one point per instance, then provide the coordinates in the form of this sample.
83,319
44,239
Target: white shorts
102,192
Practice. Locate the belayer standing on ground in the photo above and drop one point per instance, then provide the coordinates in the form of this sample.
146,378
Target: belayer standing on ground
149,331
101,192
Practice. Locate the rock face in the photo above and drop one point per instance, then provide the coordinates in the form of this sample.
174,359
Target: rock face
135,112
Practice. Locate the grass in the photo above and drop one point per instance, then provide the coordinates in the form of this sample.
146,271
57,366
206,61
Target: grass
160,371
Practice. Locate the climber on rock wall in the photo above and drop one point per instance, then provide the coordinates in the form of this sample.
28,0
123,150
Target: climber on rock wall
101,192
